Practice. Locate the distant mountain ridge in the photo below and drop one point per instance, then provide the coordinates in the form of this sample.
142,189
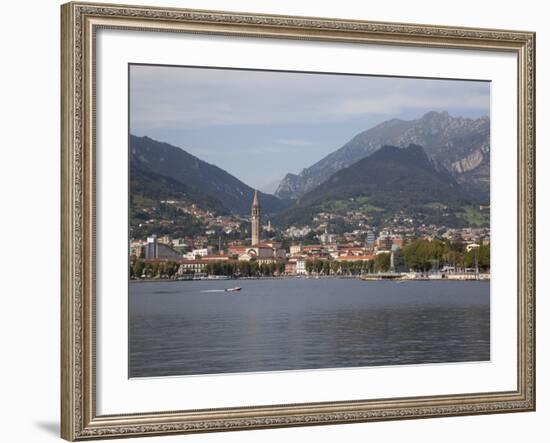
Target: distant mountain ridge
201,177
460,145
391,181
390,170
148,185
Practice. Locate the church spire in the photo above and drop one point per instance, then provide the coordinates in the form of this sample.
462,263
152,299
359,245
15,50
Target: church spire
255,219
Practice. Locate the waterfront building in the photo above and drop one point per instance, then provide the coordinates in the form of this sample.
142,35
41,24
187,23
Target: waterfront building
290,267
216,257
165,252
301,266
192,266
199,252
352,258
151,248
262,252
296,266
154,250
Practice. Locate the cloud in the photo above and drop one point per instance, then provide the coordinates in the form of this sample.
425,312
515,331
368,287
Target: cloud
296,142
171,97
397,103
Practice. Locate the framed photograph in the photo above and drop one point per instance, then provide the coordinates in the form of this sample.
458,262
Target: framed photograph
283,221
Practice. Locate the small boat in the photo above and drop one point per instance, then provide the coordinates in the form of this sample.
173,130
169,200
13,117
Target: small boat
233,289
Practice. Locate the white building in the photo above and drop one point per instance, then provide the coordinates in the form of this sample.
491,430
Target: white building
201,252
301,266
295,232
326,238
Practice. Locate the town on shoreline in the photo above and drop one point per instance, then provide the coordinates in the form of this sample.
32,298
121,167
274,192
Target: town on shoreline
392,255
418,277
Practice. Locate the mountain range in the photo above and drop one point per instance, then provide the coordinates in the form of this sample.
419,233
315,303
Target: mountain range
198,176
433,170
459,145
149,187
391,182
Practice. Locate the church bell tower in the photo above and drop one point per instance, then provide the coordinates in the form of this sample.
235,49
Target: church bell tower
255,220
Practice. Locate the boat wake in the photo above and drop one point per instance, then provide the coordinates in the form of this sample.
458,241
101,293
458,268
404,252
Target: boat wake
223,290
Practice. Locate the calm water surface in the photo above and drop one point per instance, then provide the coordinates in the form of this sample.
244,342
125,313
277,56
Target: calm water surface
175,329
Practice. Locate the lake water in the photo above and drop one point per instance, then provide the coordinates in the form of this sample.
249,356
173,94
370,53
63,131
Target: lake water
283,324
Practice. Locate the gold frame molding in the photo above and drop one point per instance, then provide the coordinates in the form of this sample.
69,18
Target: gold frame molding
79,22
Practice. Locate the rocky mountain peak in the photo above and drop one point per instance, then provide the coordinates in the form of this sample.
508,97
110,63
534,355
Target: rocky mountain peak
459,145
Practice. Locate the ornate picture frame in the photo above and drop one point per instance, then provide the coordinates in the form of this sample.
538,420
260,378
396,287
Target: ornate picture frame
80,22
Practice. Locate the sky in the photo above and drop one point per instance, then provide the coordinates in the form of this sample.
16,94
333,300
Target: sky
260,125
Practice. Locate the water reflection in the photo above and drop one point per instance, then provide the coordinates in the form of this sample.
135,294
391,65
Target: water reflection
304,324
